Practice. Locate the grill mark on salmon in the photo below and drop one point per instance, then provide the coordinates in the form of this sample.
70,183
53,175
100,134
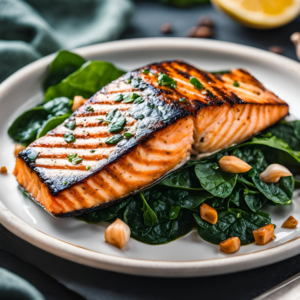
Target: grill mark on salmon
165,131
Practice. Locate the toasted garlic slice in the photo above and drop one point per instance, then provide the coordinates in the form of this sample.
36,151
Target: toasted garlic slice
230,245
77,102
290,223
18,149
117,233
208,214
273,173
264,234
233,164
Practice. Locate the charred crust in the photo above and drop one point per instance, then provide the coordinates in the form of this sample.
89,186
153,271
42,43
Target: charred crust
151,123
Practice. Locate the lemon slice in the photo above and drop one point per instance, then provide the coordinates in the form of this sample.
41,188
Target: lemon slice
260,14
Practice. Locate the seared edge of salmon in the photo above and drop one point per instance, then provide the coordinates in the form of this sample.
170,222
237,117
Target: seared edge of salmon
161,109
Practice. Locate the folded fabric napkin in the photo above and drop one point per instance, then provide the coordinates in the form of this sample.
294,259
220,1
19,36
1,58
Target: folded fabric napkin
14,287
33,28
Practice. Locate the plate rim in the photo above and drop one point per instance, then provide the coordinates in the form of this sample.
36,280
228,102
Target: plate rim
144,267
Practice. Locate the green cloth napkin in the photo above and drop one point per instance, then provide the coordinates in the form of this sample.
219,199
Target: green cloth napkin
14,287
33,28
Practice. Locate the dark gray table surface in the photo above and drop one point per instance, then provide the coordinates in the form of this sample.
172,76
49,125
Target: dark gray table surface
61,279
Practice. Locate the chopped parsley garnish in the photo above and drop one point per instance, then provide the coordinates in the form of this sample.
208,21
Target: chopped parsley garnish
64,183
196,83
71,125
116,120
139,117
130,98
69,137
138,100
92,151
128,135
128,80
110,115
165,80
145,71
88,167
89,108
236,84
114,139
74,159
118,98
183,100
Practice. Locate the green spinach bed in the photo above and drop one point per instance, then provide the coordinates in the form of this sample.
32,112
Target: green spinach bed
171,208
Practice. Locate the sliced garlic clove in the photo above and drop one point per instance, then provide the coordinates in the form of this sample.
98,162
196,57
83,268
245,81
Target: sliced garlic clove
273,173
77,102
233,164
117,234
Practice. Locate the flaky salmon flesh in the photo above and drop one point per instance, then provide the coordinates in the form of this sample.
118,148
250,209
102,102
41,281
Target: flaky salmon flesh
159,115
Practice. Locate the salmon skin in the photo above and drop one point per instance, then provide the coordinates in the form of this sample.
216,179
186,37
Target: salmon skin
168,110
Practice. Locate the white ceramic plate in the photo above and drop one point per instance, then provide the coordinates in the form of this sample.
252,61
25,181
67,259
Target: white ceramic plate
84,243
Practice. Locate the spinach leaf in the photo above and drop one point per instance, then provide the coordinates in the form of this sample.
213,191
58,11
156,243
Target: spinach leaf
177,197
24,129
58,107
288,132
214,180
254,200
35,122
275,192
164,232
104,214
184,179
287,184
252,156
174,212
218,203
229,225
241,179
284,156
63,65
51,124
86,81
149,215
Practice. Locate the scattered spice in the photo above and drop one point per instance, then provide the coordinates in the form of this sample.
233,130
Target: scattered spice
192,31
276,49
295,39
206,21
204,32
3,170
166,28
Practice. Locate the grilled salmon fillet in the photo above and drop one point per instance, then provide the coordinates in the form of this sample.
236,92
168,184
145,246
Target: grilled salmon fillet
165,122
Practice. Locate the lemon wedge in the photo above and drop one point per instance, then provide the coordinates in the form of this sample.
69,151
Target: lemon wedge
260,14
